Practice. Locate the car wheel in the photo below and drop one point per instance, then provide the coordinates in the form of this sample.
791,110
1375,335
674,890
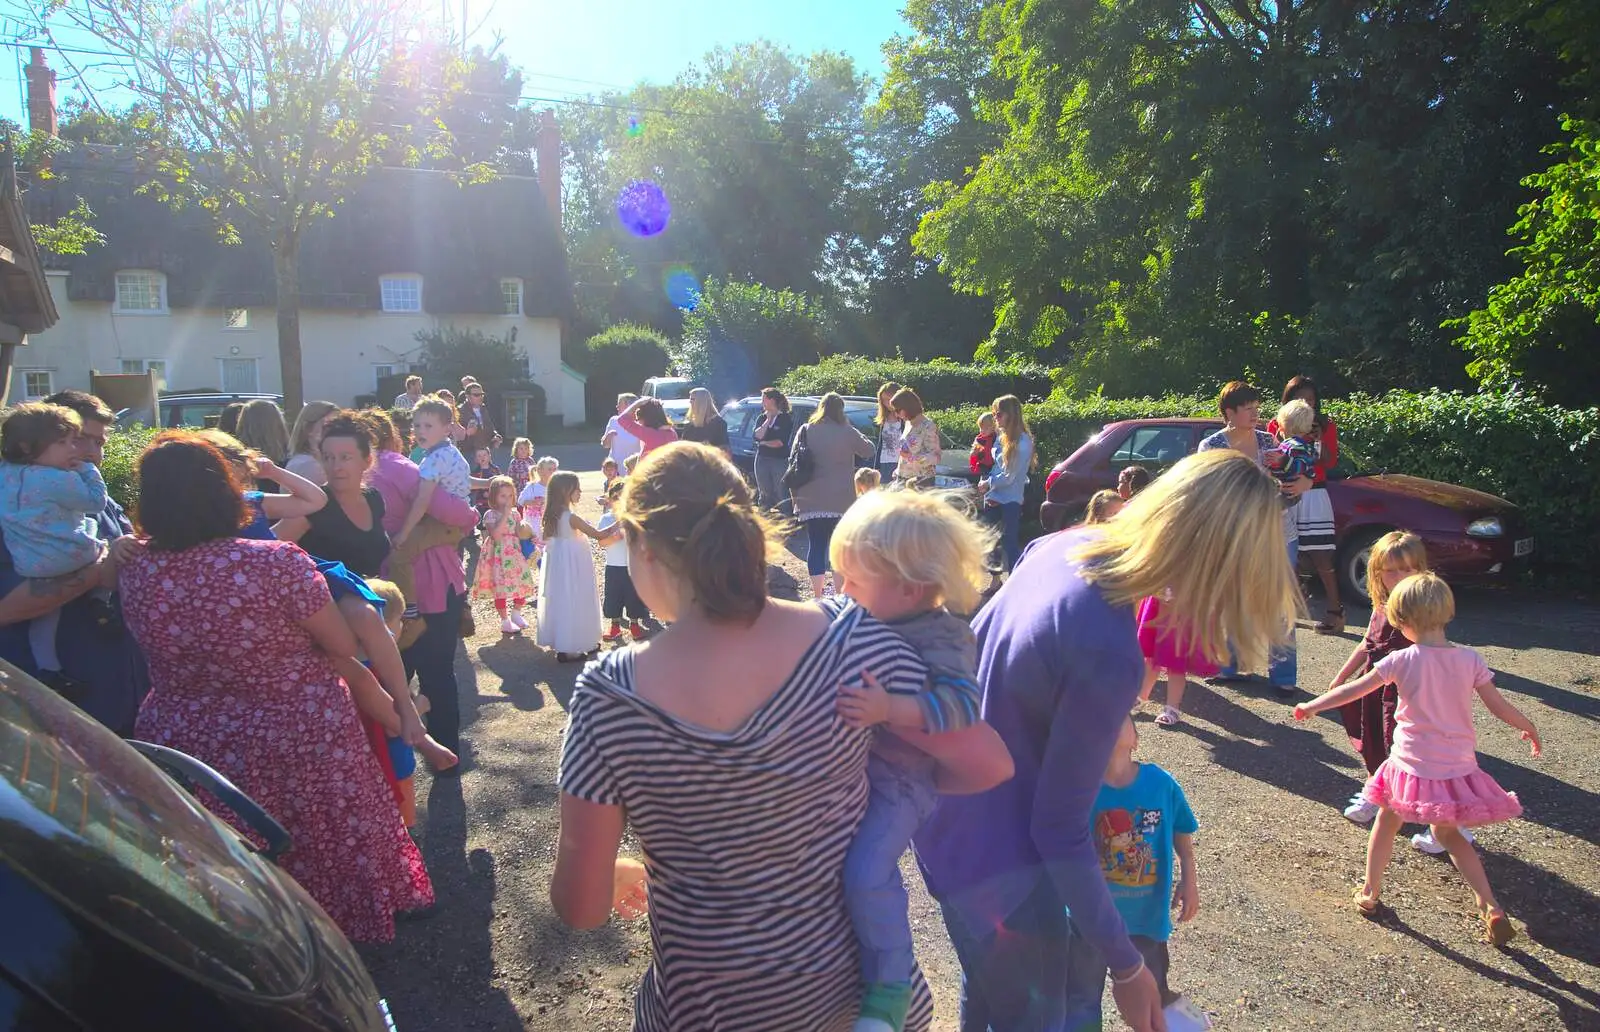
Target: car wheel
1353,563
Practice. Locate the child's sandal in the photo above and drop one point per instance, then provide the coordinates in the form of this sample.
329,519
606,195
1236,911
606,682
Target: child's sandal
1333,622
1365,905
1497,928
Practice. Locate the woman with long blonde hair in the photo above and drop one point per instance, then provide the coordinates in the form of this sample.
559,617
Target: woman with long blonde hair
1060,666
1003,488
261,429
705,426
305,441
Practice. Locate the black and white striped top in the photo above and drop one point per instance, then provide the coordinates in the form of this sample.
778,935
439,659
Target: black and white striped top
744,835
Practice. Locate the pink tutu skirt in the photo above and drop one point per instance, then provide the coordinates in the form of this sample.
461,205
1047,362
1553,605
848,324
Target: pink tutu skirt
1169,649
1467,801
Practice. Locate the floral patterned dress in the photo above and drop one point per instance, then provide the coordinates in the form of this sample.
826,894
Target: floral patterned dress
503,571
237,683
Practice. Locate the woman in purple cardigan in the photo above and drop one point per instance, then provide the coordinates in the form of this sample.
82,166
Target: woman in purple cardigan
1060,666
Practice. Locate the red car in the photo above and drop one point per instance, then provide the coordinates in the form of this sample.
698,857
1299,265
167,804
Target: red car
1470,535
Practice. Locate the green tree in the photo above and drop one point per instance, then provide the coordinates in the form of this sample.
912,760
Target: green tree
743,336
265,111
31,153
1187,190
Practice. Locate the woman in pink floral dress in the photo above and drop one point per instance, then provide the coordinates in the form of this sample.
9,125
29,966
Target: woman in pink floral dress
239,636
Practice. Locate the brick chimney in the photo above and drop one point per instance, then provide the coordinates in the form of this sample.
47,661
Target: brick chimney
547,151
41,95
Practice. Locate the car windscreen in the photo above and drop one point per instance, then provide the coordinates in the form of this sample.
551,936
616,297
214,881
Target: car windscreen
672,390
92,823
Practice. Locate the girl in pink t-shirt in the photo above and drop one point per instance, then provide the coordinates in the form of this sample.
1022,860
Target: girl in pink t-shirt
1432,774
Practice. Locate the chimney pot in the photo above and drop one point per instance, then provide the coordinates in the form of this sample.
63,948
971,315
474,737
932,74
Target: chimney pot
548,154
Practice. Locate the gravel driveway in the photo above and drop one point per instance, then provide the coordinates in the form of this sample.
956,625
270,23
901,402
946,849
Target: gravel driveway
1275,945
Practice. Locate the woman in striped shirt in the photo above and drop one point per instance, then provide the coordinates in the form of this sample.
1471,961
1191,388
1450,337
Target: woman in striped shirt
720,743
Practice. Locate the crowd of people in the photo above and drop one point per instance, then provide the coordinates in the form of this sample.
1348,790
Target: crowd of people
949,691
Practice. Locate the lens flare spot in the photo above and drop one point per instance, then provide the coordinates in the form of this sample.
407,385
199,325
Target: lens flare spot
682,286
635,126
643,209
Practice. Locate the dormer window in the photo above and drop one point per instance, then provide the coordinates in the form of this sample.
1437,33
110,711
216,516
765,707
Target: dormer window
141,292
401,293
511,297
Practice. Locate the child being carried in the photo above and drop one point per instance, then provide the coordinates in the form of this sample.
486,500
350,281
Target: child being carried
907,558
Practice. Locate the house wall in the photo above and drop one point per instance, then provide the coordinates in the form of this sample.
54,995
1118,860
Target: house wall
341,350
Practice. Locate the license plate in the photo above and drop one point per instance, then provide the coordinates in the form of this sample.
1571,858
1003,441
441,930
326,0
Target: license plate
1523,547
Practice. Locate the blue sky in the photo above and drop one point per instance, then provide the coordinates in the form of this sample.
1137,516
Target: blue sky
573,47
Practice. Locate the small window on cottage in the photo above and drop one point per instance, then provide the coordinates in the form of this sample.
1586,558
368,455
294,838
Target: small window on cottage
141,292
401,293
511,296
147,365
237,319
381,372
36,384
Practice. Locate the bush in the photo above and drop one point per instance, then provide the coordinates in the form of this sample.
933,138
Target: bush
940,383
123,448
619,359
1543,458
742,336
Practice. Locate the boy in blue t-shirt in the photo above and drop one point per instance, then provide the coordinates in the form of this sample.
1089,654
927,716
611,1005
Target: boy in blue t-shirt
1140,820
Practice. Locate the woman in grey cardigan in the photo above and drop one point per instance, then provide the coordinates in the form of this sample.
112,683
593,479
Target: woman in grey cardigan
835,446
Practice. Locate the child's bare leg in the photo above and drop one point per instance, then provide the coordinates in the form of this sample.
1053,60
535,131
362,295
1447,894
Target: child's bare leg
1468,863
1151,676
438,757
371,700
1380,848
1177,681
376,641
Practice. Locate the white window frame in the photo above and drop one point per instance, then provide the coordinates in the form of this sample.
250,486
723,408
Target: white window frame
222,379
397,289
147,365
381,370
236,319
49,383
505,298
156,279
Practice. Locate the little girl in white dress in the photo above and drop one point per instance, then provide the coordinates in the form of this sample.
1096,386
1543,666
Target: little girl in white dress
569,601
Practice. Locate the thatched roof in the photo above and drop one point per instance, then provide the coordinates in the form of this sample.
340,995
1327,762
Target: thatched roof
25,300
463,240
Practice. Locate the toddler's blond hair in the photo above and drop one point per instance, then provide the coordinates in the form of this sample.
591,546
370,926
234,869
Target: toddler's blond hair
1296,419
394,603
986,423
867,479
918,539
1422,602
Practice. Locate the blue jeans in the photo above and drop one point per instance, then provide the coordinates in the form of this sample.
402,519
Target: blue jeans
1026,971
770,467
1283,666
873,891
1008,517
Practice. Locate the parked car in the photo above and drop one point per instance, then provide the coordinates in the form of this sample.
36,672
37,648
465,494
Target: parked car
672,392
191,410
743,415
1469,534
128,905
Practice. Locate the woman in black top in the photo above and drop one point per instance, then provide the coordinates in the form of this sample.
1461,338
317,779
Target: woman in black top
704,425
773,436
349,529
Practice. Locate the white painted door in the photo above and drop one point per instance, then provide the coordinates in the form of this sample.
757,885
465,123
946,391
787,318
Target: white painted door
239,376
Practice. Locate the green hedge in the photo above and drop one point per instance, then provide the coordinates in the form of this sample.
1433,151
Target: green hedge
940,383
123,448
618,360
1544,458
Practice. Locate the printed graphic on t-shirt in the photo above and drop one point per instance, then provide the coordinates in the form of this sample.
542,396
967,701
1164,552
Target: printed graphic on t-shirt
1123,837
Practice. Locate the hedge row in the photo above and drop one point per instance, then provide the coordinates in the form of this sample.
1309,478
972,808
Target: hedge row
940,383
123,448
1544,458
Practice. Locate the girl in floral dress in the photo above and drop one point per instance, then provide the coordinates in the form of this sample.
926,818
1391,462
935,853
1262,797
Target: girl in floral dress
504,573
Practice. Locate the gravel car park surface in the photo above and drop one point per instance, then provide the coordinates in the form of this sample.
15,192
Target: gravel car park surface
1276,944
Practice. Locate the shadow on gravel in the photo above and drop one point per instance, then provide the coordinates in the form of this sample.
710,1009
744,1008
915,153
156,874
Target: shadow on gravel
782,584
520,665
1547,801
439,973
1274,753
1557,698
1545,983
1560,916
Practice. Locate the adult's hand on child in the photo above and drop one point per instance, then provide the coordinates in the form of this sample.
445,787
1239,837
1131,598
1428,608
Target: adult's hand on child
630,892
1139,1002
126,549
400,538
865,705
412,732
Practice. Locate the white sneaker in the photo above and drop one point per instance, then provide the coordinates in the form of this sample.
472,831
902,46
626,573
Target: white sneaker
1426,843
521,623
1360,811
508,626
